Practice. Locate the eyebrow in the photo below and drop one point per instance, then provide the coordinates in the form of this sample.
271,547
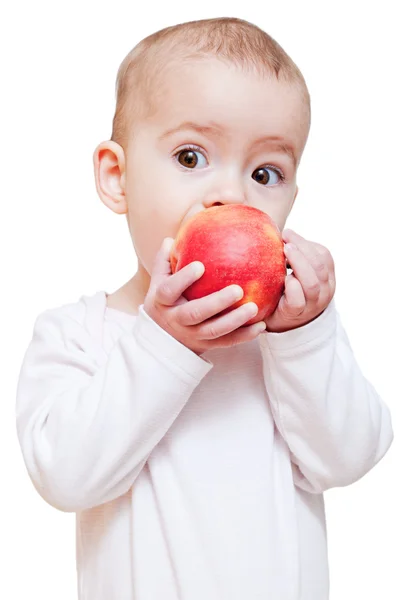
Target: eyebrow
217,131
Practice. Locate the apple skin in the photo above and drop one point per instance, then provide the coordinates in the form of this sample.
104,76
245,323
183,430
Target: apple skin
238,244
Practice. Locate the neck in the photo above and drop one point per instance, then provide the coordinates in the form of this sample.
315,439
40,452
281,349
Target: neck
140,283
131,295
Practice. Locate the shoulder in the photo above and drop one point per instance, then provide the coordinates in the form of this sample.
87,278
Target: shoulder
79,322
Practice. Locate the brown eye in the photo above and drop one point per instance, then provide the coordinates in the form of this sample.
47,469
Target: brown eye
191,157
263,176
188,158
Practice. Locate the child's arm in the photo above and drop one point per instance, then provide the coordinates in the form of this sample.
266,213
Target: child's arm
87,422
335,424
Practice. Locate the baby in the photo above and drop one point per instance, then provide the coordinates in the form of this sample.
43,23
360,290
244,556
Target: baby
194,449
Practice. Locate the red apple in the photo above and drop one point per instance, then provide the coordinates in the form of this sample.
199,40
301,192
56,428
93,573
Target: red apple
237,244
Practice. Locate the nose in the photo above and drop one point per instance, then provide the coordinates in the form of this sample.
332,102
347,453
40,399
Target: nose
227,192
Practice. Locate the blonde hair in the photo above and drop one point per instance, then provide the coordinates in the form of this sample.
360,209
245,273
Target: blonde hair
228,39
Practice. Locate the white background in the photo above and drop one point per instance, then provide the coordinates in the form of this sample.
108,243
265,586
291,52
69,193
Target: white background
59,62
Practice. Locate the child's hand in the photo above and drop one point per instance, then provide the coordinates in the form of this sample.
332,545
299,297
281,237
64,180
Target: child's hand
309,289
192,322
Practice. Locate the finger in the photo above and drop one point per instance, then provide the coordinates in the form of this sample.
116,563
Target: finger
171,289
326,257
318,256
161,265
293,301
288,235
308,247
304,272
197,311
321,260
220,326
247,333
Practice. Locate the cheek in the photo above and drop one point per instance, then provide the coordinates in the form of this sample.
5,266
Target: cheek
146,248
154,214
283,207
278,209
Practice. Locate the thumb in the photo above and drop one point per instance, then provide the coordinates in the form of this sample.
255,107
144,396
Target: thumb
162,265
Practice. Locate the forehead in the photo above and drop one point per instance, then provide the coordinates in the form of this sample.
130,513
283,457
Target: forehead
241,103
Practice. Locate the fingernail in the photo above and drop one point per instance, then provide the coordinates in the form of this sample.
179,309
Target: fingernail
253,308
168,243
261,327
290,247
198,269
238,292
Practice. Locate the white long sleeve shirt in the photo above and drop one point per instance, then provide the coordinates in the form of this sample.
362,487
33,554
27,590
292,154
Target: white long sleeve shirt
193,477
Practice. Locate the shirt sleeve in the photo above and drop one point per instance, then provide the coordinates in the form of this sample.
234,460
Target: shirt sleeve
335,424
86,425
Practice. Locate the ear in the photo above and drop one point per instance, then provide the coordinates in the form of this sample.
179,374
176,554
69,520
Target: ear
109,172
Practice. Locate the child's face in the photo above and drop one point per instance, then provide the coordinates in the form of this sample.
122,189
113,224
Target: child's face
161,191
